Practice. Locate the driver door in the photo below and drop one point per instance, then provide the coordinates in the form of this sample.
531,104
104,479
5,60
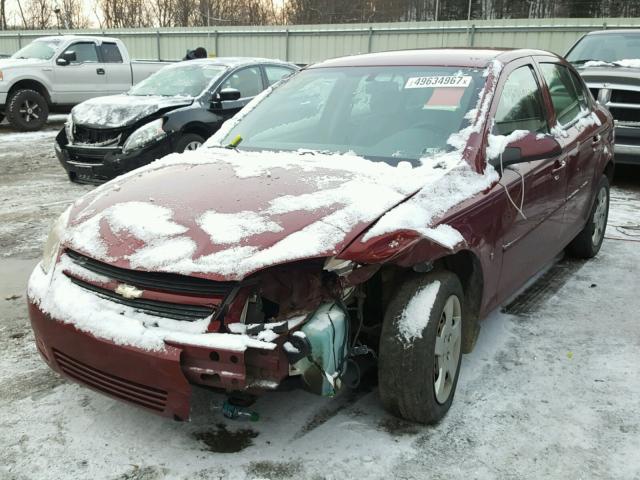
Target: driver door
81,79
532,219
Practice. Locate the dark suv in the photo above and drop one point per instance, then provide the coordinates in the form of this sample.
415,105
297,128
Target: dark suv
173,110
609,62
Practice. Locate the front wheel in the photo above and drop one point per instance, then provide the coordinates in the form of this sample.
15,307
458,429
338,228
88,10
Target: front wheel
420,347
27,111
588,242
189,141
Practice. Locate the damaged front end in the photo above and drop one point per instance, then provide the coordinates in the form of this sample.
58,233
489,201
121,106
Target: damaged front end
295,320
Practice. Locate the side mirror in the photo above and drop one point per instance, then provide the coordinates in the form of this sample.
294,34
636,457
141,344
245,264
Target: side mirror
227,99
532,146
66,58
229,94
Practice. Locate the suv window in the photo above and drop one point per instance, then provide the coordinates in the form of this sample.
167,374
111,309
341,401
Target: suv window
85,52
567,101
247,80
110,53
275,74
520,106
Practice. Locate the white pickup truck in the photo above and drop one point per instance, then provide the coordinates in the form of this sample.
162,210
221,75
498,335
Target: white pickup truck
56,73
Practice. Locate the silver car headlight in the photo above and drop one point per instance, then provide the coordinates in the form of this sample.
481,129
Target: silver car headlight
68,129
146,134
51,247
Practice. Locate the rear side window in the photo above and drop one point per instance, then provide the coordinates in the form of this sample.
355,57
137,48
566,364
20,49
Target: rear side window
520,106
110,53
85,52
567,101
275,74
247,80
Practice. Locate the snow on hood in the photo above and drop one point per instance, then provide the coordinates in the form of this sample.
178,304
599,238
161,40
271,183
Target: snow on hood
224,214
627,63
20,62
120,110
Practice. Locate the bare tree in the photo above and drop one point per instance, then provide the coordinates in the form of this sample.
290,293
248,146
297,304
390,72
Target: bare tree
38,15
125,13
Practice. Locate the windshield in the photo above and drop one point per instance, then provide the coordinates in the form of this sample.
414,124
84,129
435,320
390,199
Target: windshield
381,113
610,48
188,80
39,49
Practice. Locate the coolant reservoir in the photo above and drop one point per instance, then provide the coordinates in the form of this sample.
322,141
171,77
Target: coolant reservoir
327,332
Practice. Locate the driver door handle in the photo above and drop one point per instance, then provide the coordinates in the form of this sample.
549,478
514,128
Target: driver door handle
100,71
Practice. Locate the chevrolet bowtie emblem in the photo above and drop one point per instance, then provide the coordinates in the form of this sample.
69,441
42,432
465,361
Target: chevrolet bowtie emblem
128,291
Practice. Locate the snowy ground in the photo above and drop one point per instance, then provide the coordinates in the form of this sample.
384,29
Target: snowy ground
551,391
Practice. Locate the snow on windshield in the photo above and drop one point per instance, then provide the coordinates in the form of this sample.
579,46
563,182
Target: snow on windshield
38,50
187,79
350,190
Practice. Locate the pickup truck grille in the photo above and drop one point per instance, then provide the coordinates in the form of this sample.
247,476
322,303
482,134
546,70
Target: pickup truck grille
624,105
94,136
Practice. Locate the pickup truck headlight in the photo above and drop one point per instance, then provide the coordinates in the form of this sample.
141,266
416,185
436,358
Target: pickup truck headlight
51,247
68,129
149,133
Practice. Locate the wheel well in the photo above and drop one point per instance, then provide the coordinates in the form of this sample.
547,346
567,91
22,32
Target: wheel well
467,267
609,170
197,129
30,85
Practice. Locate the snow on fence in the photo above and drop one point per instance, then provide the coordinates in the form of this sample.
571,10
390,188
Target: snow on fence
310,43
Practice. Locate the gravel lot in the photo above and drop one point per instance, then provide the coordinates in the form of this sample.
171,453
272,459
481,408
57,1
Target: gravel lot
551,391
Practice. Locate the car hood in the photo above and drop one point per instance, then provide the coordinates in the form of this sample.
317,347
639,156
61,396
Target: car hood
122,110
224,214
6,63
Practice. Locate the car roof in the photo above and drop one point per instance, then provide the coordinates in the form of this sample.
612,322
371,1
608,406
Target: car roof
78,37
236,61
458,57
619,30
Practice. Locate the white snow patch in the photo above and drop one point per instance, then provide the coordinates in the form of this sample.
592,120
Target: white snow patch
416,315
67,302
629,62
497,144
227,228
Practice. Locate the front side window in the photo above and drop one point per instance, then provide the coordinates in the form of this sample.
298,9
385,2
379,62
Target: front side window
520,106
85,52
381,113
248,81
110,53
183,79
565,98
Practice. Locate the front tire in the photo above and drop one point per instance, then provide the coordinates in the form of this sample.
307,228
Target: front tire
27,111
419,359
588,242
188,142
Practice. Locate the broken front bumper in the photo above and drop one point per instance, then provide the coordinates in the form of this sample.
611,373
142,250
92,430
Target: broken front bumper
159,381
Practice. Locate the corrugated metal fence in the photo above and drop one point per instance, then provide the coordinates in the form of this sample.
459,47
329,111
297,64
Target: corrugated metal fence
310,43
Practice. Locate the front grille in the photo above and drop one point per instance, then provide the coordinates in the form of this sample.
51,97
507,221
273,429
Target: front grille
86,156
625,114
143,395
594,92
177,311
167,282
92,136
625,96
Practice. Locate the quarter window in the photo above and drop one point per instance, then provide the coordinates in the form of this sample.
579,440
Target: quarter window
275,74
520,106
567,101
248,81
85,52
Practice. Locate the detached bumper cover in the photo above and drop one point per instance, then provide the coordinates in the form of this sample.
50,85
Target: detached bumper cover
95,165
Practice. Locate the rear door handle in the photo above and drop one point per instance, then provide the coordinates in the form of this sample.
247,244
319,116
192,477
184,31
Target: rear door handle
100,71
595,141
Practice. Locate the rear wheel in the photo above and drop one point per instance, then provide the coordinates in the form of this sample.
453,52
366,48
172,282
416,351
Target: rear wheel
588,242
420,347
27,110
189,141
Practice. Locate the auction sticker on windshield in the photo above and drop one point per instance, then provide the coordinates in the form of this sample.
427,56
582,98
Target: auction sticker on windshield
455,81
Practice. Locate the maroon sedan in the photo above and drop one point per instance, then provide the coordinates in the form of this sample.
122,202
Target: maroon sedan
369,209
